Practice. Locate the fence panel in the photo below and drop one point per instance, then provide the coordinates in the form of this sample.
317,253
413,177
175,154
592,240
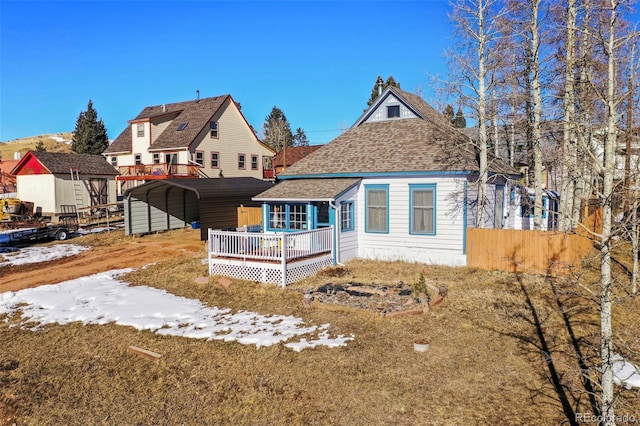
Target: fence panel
248,216
525,251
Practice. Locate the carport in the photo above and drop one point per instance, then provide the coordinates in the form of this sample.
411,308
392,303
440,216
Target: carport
161,205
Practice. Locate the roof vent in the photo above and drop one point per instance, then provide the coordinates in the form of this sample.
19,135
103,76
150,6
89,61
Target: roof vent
197,95
164,108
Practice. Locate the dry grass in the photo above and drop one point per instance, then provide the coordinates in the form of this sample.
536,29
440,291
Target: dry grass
504,351
22,145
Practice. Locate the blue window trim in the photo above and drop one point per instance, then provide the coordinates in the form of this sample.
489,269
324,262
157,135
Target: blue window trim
348,205
286,227
368,188
423,186
545,203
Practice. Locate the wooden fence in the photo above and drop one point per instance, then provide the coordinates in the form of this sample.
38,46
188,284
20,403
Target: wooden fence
510,250
248,216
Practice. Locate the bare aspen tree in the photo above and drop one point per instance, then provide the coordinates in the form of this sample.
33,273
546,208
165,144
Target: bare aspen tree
472,62
568,137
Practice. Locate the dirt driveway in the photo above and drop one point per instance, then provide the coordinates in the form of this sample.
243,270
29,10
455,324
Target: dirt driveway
129,253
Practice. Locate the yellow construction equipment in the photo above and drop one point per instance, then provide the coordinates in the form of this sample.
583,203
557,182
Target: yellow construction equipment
13,209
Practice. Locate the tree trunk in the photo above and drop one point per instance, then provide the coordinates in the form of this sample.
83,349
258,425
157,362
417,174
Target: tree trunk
568,137
537,114
606,333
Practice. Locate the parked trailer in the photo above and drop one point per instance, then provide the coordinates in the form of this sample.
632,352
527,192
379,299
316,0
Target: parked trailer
29,235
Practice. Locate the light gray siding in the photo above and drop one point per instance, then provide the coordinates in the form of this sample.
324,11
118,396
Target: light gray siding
446,246
348,240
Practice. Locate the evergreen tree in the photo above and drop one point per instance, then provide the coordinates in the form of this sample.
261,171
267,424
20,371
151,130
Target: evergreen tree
459,122
374,92
276,130
448,113
90,135
40,146
300,138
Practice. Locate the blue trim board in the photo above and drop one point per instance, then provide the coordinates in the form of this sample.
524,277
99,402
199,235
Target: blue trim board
376,174
418,187
464,221
375,187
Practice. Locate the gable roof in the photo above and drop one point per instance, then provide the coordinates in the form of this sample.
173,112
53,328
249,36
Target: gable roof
196,113
308,189
63,162
293,154
412,145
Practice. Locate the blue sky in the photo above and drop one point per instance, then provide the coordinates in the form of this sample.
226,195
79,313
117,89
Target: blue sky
315,60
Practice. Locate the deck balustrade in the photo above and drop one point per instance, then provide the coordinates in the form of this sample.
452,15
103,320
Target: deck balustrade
281,258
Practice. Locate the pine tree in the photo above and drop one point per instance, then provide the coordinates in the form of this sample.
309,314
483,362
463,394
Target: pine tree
276,130
459,122
300,138
448,113
374,92
90,135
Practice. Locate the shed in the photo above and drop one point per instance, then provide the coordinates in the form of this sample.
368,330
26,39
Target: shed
52,180
162,205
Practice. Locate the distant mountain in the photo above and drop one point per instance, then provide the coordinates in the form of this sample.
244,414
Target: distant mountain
55,142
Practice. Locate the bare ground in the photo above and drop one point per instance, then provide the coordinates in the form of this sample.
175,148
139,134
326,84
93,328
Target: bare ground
505,350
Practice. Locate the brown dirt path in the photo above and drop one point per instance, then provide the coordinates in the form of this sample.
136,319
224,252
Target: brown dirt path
130,253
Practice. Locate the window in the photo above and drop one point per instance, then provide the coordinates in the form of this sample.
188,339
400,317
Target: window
377,208
422,217
346,216
527,204
156,158
297,216
138,159
288,216
393,111
241,161
277,216
114,161
140,129
254,162
182,126
213,128
215,160
200,157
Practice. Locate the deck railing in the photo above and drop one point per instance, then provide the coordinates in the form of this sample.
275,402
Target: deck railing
275,247
163,169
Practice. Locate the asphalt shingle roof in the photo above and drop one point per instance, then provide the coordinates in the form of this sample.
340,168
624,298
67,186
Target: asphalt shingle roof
62,163
196,113
308,189
402,145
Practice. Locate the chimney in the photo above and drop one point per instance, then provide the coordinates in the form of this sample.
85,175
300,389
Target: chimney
17,155
380,84
197,95
164,108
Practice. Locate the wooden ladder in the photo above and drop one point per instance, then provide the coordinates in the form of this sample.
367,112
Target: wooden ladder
77,190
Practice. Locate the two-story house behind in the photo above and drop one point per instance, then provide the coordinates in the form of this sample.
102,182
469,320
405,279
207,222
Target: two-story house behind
207,137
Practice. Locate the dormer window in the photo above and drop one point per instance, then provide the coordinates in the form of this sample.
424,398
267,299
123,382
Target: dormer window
393,111
213,126
182,126
140,130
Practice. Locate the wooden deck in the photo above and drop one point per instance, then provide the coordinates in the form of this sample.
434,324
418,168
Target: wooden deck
280,258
